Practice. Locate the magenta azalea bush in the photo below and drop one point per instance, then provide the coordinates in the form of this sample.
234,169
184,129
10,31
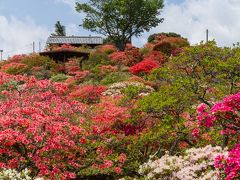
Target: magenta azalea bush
229,166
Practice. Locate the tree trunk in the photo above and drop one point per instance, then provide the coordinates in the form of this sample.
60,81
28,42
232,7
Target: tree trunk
120,44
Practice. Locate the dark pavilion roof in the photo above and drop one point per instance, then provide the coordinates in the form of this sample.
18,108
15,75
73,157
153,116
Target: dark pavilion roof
64,54
95,40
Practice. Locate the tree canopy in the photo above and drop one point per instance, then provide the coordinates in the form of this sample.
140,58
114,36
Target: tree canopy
59,29
120,20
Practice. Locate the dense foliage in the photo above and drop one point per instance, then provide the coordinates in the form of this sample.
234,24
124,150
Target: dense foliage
167,110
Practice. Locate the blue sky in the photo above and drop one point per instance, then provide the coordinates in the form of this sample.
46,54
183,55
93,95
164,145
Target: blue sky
24,21
45,12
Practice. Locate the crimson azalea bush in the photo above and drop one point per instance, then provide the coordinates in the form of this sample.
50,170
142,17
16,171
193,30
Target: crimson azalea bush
88,93
128,57
145,66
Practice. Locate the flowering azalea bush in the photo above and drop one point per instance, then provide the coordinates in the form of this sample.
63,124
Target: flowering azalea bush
129,57
72,66
229,165
17,58
40,66
156,56
196,163
107,48
145,66
64,46
13,68
15,175
167,43
223,115
119,56
117,89
105,69
88,93
43,130
33,120
108,112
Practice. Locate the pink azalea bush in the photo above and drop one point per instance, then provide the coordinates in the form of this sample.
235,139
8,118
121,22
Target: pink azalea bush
42,129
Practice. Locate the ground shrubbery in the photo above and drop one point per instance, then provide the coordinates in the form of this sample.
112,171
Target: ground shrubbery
116,114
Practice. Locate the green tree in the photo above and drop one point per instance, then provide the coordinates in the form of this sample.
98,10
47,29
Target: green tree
59,29
120,20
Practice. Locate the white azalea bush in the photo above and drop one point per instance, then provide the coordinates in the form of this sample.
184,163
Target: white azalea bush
15,175
118,88
195,164
12,174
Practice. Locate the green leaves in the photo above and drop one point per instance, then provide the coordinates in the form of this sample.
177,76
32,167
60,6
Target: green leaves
120,19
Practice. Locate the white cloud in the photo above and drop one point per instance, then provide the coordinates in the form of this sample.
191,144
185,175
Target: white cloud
192,17
16,36
70,3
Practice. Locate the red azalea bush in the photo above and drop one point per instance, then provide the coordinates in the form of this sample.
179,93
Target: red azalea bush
107,48
168,44
108,112
13,68
145,66
65,46
17,58
118,57
88,93
72,66
105,69
156,56
133,56
128,57
81,75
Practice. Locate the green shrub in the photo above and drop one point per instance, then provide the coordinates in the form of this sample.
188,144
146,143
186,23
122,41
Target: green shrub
15,70
132,91
39,61
96,58
114,77
59,77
